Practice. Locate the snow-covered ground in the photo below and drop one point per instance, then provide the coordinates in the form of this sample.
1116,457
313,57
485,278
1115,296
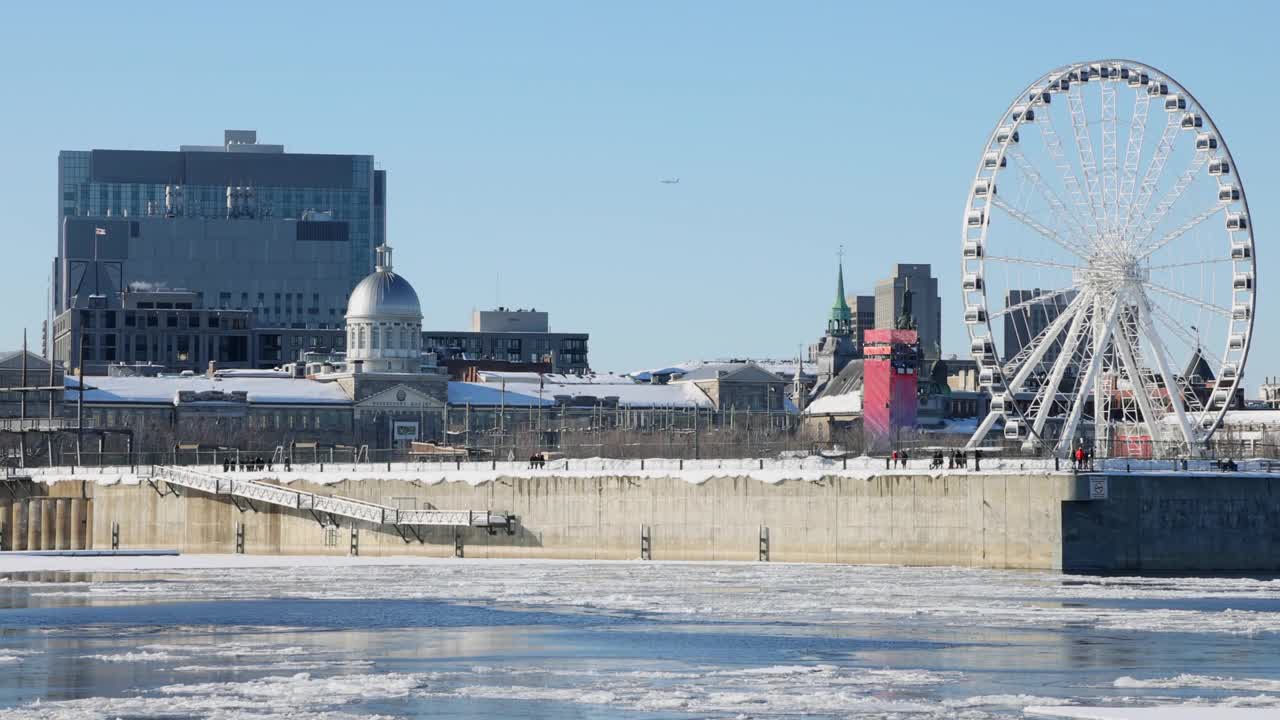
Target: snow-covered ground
767,470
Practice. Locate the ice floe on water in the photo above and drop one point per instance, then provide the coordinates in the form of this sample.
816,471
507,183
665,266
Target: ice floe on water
297,695
805,641
1202,681
826,593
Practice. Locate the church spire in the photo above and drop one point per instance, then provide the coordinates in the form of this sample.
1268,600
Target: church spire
841,315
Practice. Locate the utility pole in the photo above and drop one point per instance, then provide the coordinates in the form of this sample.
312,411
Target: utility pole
22,407
80,401
695,432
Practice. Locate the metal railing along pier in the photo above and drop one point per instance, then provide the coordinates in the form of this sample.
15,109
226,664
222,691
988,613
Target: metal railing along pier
334,506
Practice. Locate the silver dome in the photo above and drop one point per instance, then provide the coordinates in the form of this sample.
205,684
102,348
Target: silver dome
384,294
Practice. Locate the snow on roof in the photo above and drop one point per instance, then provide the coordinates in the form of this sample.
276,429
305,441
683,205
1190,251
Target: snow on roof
589,379
491,394
235,372
628,394
785,369
165,389
647,375
713,371
849,403
497,376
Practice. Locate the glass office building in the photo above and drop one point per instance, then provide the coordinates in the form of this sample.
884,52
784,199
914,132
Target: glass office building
330,209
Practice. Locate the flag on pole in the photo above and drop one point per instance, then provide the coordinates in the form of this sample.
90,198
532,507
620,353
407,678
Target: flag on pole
99,231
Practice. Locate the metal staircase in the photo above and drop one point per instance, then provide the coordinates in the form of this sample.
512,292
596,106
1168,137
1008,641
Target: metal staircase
245,492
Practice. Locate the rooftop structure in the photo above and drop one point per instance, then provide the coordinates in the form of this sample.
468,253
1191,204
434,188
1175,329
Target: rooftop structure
517,337
509,320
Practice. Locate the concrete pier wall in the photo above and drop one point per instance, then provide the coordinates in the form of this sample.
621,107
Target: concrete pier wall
39,516
1171,523
1058,521
975,520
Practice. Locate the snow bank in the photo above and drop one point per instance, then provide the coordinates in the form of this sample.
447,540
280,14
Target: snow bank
696,472
770,470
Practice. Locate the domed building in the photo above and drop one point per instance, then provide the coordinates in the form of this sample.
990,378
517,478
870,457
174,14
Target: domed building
398,394
384,321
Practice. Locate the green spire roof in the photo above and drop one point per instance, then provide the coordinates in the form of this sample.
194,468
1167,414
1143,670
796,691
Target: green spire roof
840,310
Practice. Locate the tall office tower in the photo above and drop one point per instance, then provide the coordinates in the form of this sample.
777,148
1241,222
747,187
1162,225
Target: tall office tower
925,311
243,225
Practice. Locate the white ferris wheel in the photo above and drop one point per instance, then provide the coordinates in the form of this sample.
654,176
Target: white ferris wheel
1108,266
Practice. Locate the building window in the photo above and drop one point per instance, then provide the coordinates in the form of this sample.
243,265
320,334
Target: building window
373,339
171,321
152,320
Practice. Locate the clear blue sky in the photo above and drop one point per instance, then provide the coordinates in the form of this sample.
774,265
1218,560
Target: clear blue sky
526,140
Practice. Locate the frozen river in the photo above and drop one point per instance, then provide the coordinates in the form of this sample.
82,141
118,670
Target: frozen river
244,637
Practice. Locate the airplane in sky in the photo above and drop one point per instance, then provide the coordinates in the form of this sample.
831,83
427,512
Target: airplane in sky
670,181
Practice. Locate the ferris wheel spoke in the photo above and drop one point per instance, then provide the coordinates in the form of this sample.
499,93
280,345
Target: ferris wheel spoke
1084,153
1183,230
1225,312
1037,300
1175,194
1110,160
1132,154
1163,317
1068,220
1033,263
1155,168
1036,225
1053,145
1191,263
